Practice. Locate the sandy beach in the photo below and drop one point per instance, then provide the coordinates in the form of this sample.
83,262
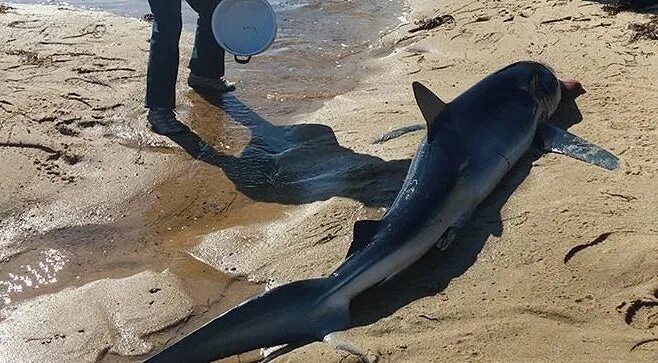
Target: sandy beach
114,241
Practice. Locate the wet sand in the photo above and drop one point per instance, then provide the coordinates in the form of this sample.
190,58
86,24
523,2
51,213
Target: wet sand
143,238
93,229
96,203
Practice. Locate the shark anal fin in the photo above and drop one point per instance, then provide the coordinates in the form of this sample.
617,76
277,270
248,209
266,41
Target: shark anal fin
554,139
364,231
431,106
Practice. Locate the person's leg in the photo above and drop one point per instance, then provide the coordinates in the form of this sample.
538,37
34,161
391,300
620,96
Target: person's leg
163,67
207,56
164,55
207,62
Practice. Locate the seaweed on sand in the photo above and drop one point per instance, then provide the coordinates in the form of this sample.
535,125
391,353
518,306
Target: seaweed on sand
618,6
648,30
5,8
427,24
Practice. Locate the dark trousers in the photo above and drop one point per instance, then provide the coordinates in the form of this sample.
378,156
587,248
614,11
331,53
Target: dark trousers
207,56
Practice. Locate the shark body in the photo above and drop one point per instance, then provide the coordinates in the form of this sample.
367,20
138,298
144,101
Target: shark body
471,143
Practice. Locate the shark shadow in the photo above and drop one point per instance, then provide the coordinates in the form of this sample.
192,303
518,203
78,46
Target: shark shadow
432,274
296,164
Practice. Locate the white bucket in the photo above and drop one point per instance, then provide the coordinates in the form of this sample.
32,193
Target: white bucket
244,27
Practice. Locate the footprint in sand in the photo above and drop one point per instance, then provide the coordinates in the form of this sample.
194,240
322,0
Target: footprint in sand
616,261
640,313
623,262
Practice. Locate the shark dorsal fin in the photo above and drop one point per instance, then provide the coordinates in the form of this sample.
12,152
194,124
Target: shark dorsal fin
364,231
430,105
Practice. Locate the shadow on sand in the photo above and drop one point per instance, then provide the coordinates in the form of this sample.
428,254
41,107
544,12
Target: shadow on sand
296,164
433,273
638,6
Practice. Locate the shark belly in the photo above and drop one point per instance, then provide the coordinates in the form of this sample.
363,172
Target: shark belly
392,253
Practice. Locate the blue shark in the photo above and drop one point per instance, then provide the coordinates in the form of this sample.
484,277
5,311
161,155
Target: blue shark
471,143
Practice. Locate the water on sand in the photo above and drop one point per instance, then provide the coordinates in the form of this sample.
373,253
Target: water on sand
254,165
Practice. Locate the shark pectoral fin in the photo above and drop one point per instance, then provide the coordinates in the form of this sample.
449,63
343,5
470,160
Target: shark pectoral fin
364,231
554,139
431,106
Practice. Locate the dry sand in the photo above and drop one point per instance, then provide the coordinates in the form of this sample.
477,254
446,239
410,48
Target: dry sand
559,264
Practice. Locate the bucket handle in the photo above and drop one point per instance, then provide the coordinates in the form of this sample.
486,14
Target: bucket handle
242,60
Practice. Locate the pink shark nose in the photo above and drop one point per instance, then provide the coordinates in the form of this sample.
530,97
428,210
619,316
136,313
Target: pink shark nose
572,88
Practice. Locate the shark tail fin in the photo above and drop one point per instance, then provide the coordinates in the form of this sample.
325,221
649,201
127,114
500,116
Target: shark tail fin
299,312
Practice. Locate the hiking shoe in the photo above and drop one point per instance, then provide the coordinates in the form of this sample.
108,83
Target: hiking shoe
163,121
210,84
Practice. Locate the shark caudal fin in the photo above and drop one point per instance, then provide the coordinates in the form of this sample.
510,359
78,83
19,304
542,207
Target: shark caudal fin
296,313
554,139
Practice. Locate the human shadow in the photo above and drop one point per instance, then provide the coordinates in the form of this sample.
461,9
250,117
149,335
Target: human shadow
295,164
433,273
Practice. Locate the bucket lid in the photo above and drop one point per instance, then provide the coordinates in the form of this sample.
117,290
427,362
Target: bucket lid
244,27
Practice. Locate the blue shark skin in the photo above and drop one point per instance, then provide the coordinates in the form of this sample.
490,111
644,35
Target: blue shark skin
471,144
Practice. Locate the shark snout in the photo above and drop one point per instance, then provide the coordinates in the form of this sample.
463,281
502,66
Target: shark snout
572,88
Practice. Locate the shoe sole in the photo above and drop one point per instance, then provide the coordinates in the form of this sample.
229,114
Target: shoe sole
183,130
210,89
